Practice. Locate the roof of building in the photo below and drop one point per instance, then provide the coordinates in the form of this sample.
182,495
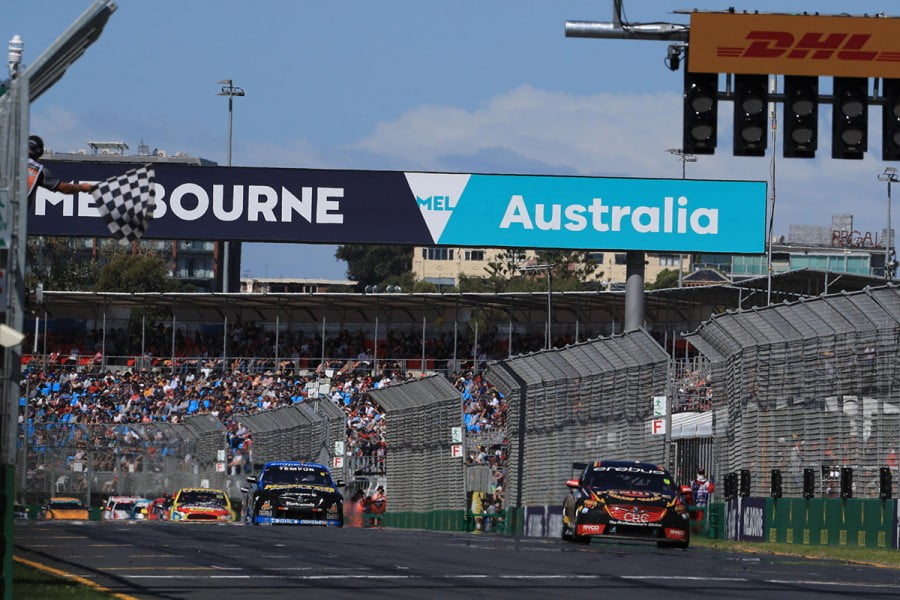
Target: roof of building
686,304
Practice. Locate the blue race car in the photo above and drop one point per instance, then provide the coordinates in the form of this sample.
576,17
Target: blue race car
294,493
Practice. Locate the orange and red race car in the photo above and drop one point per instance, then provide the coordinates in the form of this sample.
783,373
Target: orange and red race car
625,499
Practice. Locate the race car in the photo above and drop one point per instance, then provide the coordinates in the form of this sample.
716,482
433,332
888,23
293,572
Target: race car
625,499
201,505
65,508
294,493
119,508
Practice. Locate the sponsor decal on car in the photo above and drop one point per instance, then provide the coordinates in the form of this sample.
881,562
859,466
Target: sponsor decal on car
590,528
675,534
294,486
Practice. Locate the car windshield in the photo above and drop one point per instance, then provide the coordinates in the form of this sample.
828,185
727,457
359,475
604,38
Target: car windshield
630,478
202,497
65,504
128,506
295,475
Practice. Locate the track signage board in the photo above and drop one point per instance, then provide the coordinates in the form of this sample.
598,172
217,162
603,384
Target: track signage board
425,209
792,44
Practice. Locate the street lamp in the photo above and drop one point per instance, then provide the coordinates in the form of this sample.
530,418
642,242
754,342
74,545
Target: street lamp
16,47
230,90
685,158
549,269
890,176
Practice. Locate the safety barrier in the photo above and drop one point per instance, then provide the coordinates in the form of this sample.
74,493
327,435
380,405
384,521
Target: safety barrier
850,522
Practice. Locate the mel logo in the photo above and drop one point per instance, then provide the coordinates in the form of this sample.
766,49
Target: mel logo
436,203
436,195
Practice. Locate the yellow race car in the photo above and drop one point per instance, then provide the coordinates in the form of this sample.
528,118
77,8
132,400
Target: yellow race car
201,505
65,508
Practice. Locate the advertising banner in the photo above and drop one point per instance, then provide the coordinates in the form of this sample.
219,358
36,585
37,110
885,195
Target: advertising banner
787,44
425,209
745,519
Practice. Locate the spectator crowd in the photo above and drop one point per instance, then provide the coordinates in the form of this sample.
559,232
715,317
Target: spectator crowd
121,404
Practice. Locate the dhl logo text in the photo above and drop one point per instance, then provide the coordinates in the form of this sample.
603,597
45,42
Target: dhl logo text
808,46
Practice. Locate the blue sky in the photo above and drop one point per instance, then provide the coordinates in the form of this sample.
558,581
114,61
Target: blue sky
488,86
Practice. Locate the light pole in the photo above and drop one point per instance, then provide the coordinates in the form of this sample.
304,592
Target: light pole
685,158
549,269
230,90
890,176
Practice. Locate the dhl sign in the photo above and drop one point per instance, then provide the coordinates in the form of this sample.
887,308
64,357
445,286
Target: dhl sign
781,44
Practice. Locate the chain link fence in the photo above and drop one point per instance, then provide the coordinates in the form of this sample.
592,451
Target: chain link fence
580,403
808,385
423,474
91,461
306,431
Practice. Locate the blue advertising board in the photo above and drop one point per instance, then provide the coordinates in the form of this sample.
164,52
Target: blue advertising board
425,209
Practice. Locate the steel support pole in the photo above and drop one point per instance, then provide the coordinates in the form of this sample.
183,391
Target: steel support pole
634,290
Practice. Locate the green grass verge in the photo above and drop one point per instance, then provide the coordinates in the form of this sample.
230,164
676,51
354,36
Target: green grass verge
29,582
884,557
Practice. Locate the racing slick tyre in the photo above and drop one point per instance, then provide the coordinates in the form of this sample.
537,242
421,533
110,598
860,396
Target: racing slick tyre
580,539
566,533
682,545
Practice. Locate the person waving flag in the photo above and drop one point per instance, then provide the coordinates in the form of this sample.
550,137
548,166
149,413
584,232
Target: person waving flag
127,203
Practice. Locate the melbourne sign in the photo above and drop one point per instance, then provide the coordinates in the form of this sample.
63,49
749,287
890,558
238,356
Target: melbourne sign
794,44
426,209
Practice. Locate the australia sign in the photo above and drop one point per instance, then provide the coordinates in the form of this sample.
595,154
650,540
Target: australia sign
425,209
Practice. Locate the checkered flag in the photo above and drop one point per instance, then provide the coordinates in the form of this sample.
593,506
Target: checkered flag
127,203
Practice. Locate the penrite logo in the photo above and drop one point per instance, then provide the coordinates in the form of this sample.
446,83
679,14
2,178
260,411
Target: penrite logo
808,46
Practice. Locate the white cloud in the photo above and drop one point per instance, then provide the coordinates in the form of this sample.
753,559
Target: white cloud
627,135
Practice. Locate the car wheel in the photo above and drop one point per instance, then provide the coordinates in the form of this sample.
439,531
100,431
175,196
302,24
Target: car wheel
566,533
682,545
579,539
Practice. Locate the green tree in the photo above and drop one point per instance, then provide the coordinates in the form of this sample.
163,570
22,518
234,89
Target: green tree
127,271
571,270
53,262
372,264
667,278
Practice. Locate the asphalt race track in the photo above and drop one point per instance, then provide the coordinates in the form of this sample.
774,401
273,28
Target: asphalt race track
212,561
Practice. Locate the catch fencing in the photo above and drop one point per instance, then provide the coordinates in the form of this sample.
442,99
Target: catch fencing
92,461
813,384
423,474
306,431
584,402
